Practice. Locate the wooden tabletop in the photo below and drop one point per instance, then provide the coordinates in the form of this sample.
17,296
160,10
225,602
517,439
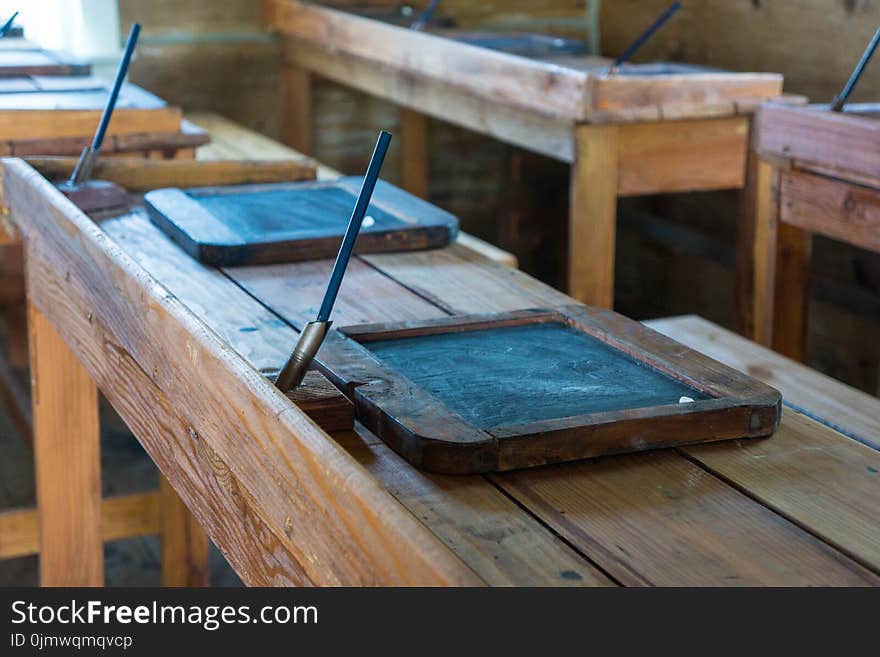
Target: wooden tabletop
178,348
435,71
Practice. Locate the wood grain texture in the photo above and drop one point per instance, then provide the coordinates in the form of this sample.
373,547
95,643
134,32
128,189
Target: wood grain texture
813,138
495,392
545,89
122,516
685,528
261,478
682,156
835,208
139,175
251,225
67,460
452,507
592,223
757,227
792,472
296,108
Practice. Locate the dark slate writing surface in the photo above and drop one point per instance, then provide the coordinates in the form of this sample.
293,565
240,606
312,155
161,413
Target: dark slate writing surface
291,213
520,374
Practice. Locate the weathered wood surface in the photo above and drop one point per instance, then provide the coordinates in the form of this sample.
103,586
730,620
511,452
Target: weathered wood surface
840,144
543,87
66,458
742,528
259,459
232,141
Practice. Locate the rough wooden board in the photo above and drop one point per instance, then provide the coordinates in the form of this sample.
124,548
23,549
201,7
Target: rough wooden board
28,61
390,545
139,175
813,137
679,526
831,207
498,289
264,341
682,156
545,89
123,516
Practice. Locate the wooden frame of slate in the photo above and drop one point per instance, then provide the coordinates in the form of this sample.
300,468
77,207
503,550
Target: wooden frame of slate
497,392
264,224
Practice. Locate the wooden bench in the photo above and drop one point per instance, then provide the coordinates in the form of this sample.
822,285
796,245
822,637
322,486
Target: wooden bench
179,349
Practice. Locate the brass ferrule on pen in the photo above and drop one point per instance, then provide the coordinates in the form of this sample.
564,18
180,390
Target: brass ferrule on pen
294,371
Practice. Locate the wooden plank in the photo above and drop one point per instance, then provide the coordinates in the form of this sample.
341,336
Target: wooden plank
814,137
692,95
50,123
807,472
682,156
543,88
258,224
550,136
67,460
791,298
467,513
592,222
184,542
138,175
263,473
834,208
679,526
756,251
122,516
776,559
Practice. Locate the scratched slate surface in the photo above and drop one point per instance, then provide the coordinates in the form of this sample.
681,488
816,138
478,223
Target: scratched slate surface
525,45
290,214
520,374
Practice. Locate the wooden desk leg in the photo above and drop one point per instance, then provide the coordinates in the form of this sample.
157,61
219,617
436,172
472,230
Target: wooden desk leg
184,542
593,215
756,251
414,152
67,460
792,294
296,108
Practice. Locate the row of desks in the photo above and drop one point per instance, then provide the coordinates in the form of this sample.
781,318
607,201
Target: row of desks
289,503
649,129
